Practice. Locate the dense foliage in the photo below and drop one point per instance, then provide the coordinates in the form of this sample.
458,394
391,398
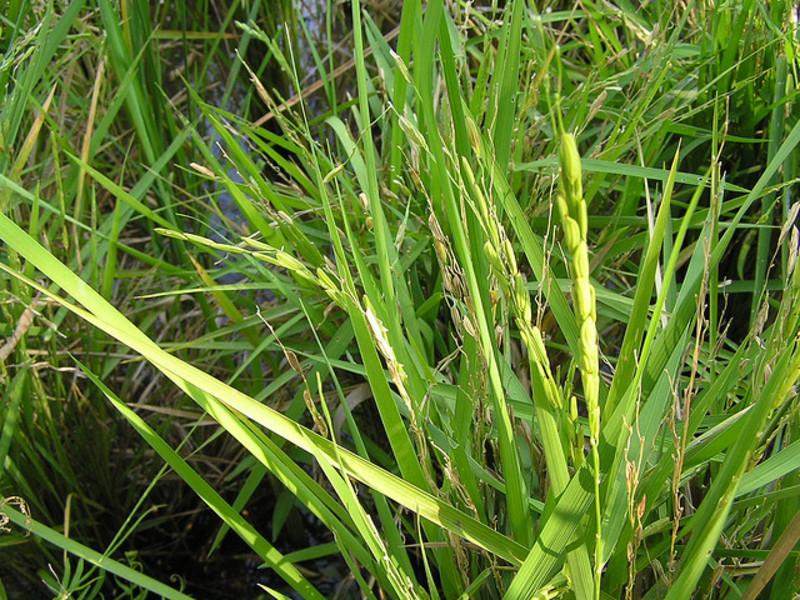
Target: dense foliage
415,300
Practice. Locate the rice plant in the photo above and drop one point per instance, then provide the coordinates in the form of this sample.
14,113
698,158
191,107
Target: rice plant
501,303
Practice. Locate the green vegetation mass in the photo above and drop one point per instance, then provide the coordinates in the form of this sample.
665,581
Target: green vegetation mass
415,300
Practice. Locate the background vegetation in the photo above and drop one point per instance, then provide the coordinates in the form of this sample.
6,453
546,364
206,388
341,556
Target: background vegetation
399,300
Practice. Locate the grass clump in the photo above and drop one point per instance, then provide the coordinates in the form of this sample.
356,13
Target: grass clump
510,310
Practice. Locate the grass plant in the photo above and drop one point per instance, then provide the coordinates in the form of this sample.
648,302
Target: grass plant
503,301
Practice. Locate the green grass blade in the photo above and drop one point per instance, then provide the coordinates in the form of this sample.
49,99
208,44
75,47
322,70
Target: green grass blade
13,395
560,526
506,84
776,466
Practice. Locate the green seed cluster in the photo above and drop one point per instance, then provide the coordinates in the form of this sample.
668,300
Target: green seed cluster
572,208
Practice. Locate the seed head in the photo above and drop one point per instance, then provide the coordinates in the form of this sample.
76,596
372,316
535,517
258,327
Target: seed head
571,171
